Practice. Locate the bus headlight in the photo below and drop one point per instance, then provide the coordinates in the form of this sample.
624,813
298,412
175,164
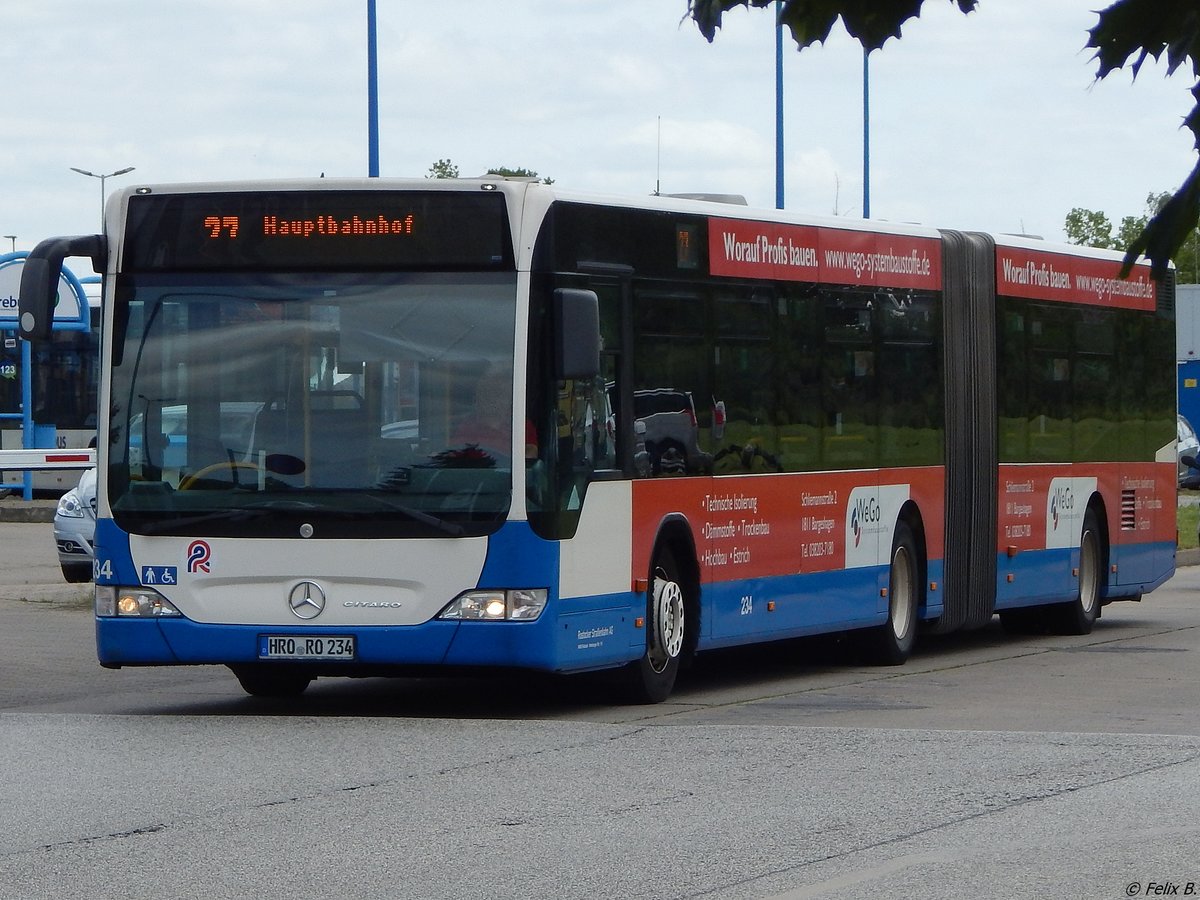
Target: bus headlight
138,602
497,606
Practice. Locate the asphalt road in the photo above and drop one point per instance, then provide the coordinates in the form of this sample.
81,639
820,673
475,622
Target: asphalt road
989,766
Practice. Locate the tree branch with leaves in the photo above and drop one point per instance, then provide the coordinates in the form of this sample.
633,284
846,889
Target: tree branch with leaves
1127,33
1130,32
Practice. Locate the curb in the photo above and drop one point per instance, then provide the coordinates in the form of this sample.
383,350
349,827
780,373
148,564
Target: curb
32,511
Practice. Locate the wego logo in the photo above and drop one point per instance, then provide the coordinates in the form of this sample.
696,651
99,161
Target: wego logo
1062,503
866,513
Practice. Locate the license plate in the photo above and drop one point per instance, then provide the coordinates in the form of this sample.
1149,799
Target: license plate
308,646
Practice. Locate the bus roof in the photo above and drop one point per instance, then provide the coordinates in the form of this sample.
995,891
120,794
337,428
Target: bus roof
535,197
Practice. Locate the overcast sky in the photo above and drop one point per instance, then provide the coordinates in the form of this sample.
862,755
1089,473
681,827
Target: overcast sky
990,121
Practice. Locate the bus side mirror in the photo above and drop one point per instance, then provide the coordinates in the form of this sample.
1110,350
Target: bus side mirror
39,280
577,334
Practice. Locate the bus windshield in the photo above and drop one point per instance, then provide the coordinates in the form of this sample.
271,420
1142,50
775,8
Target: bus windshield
344,404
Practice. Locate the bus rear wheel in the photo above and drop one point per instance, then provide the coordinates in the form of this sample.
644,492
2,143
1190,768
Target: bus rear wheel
1079,615
272,681
652,678
891,643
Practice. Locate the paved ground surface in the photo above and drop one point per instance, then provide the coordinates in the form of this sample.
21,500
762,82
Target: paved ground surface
990,766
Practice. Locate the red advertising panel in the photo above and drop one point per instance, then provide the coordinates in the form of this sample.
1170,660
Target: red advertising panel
1042,275
1040,506
758,526
747,249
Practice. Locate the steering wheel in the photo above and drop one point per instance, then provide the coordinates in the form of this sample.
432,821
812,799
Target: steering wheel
190,481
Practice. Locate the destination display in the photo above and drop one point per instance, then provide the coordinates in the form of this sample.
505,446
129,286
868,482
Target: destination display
328,230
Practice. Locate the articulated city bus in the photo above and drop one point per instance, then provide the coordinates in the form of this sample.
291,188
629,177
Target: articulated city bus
368,427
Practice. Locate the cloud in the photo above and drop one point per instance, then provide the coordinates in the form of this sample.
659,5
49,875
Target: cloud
978,121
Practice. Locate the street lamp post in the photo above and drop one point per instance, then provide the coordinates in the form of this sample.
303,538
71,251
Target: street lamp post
779,104
124,171
13,238
372,94
866,133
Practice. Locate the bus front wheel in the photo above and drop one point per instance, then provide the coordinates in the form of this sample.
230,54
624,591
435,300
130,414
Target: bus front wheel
652,678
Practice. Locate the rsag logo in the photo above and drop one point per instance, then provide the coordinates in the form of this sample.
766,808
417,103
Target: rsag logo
199,553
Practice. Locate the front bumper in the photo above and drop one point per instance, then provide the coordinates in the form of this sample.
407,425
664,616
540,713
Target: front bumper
571,636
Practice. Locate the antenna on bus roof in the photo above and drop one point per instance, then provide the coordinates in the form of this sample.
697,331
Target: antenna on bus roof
735,199
658,162
496,176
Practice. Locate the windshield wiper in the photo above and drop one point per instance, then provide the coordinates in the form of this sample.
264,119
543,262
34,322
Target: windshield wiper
296,505
269,507
417,515
236,514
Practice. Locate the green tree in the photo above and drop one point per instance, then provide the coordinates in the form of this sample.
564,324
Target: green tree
1186,255
518,173
1090,228
1132,226
1126,33
443,168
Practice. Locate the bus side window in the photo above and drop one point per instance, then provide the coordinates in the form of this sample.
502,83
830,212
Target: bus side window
849,387
672,395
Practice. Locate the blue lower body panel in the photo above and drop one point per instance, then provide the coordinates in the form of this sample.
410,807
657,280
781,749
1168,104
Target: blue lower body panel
582,635
180,641
1047,576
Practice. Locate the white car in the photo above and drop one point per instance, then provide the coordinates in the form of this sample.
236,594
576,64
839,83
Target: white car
75,528
1188,447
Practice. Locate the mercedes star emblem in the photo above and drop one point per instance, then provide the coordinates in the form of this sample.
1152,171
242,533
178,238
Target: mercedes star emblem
307,600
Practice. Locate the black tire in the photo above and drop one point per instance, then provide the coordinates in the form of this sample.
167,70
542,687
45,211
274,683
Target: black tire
76,573
1026,620
652,678
1079,615
891,643
272,681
